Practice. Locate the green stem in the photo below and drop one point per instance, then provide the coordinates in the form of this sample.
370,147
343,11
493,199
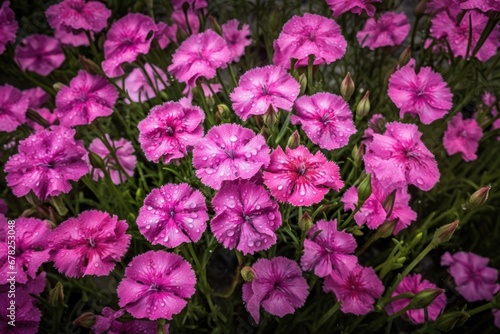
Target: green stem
327,315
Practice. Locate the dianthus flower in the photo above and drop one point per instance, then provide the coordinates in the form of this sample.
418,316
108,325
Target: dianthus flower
107,324
170,130
229,152
434,7
40,54
166,34
340,7
208,90
462,136
482,5
193,4
89,244
245,217
264,87
236,39
37,97
172,215
8,26
300,178
278,286
138,86
325,118
13,107
27,315
156,285
390,29
188,22
376,124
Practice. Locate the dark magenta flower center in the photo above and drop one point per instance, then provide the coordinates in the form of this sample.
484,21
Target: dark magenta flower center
92,242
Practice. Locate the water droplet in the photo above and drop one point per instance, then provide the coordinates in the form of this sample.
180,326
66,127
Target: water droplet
233,138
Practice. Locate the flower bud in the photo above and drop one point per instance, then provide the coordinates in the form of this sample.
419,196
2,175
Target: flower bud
88,65
363,107
294,140
223,110
424,298
305,222
389,203
405,57
303,83
36,117
444,233
355,230
215,25
58,204
248,274
364,189
86,320
347,87
448,321
420,9
96,161
270,117
56,295
357,154
275,20
390,73
478,198
57,86
264,132
386,229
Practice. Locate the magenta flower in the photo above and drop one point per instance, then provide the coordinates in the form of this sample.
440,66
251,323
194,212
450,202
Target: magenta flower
356,289
170,130
263,87
87,97
46,162
189,23
44,113
474,279
424,94
278,286
166,34
308,35
326,119
462,136
340,7
40,54
376,124
89,244
482,5
236,39
138,86
156,285
107,323
399,157
37,97
229,152
127,38
13,107
193,4
245,217
200,55
436,6
27,315
300,178
330,249
172,215
8,26
390,29
415,284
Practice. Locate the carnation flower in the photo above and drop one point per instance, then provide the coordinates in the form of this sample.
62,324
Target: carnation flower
376,124
236,39
325,118
8,26
300,178
193,4
188,22
89,244
462,136
166,34
40,54
138,86
172,215
264,87
278,286
156,285
170,129
37,97
46,162
390,29
13,107
328,250
482,5
127,38
424,94
87,97
474,279
45,114
340,7
356,289
436,6
107,324
200,55
245,217
229,152
27,315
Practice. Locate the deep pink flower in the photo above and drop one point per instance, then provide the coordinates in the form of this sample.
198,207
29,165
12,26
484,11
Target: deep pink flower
330,249
166,34
138,86
263,87
107,323
326,119
229,152
189,22
13,107
278,286
474,279
399,157
482,5
89,244
390,29
40,54
46,162
193,4
376,124
170,130
300,178
356,289
87,97
462,136
414,284
200,55
156,285
236,39
245,217
172,215
127,38
310,34
436,6
27,315
424,94
340,7
8,26
44,113
37,97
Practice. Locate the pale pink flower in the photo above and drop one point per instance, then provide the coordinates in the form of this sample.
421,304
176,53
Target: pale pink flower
40,54
208,90
236,39
8,26
390,29
462,136
13,107
340,7
138,86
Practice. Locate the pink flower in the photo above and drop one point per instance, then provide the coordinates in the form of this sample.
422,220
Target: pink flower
138,86
193,4
376,124
170,130
89,244
328,250
462,136
245,217
27,315
189,23
340,7
424,94
172,215
107,324
399,157
37,97
44,113
310,34
46,162
436,6
166,34
415,284
40,54
474,279
278,286
8,26
236,39
300,178
13,107
127,38
200,55
482,5
87,97
390,29
326,119
207,89
156,285
263,87
356,289
229,152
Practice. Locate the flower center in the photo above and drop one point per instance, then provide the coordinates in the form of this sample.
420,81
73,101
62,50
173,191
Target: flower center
230,154
312,36
463,133
154,287
265,90
170,131
302,169
247,218
92,242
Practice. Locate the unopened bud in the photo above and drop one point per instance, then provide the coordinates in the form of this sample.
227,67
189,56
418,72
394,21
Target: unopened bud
390,73
294,140
56,295
303,83
386,229
448,321
264,132
347,87
57,86
86,320
405,57
223,109
389,203
363,107
357,154
305,222
420,9
96,161
401,259
275,20
270,117
248,274
215,25
36,117
444,233
88,65
478,198
355,230
364,189
59,205
424,298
